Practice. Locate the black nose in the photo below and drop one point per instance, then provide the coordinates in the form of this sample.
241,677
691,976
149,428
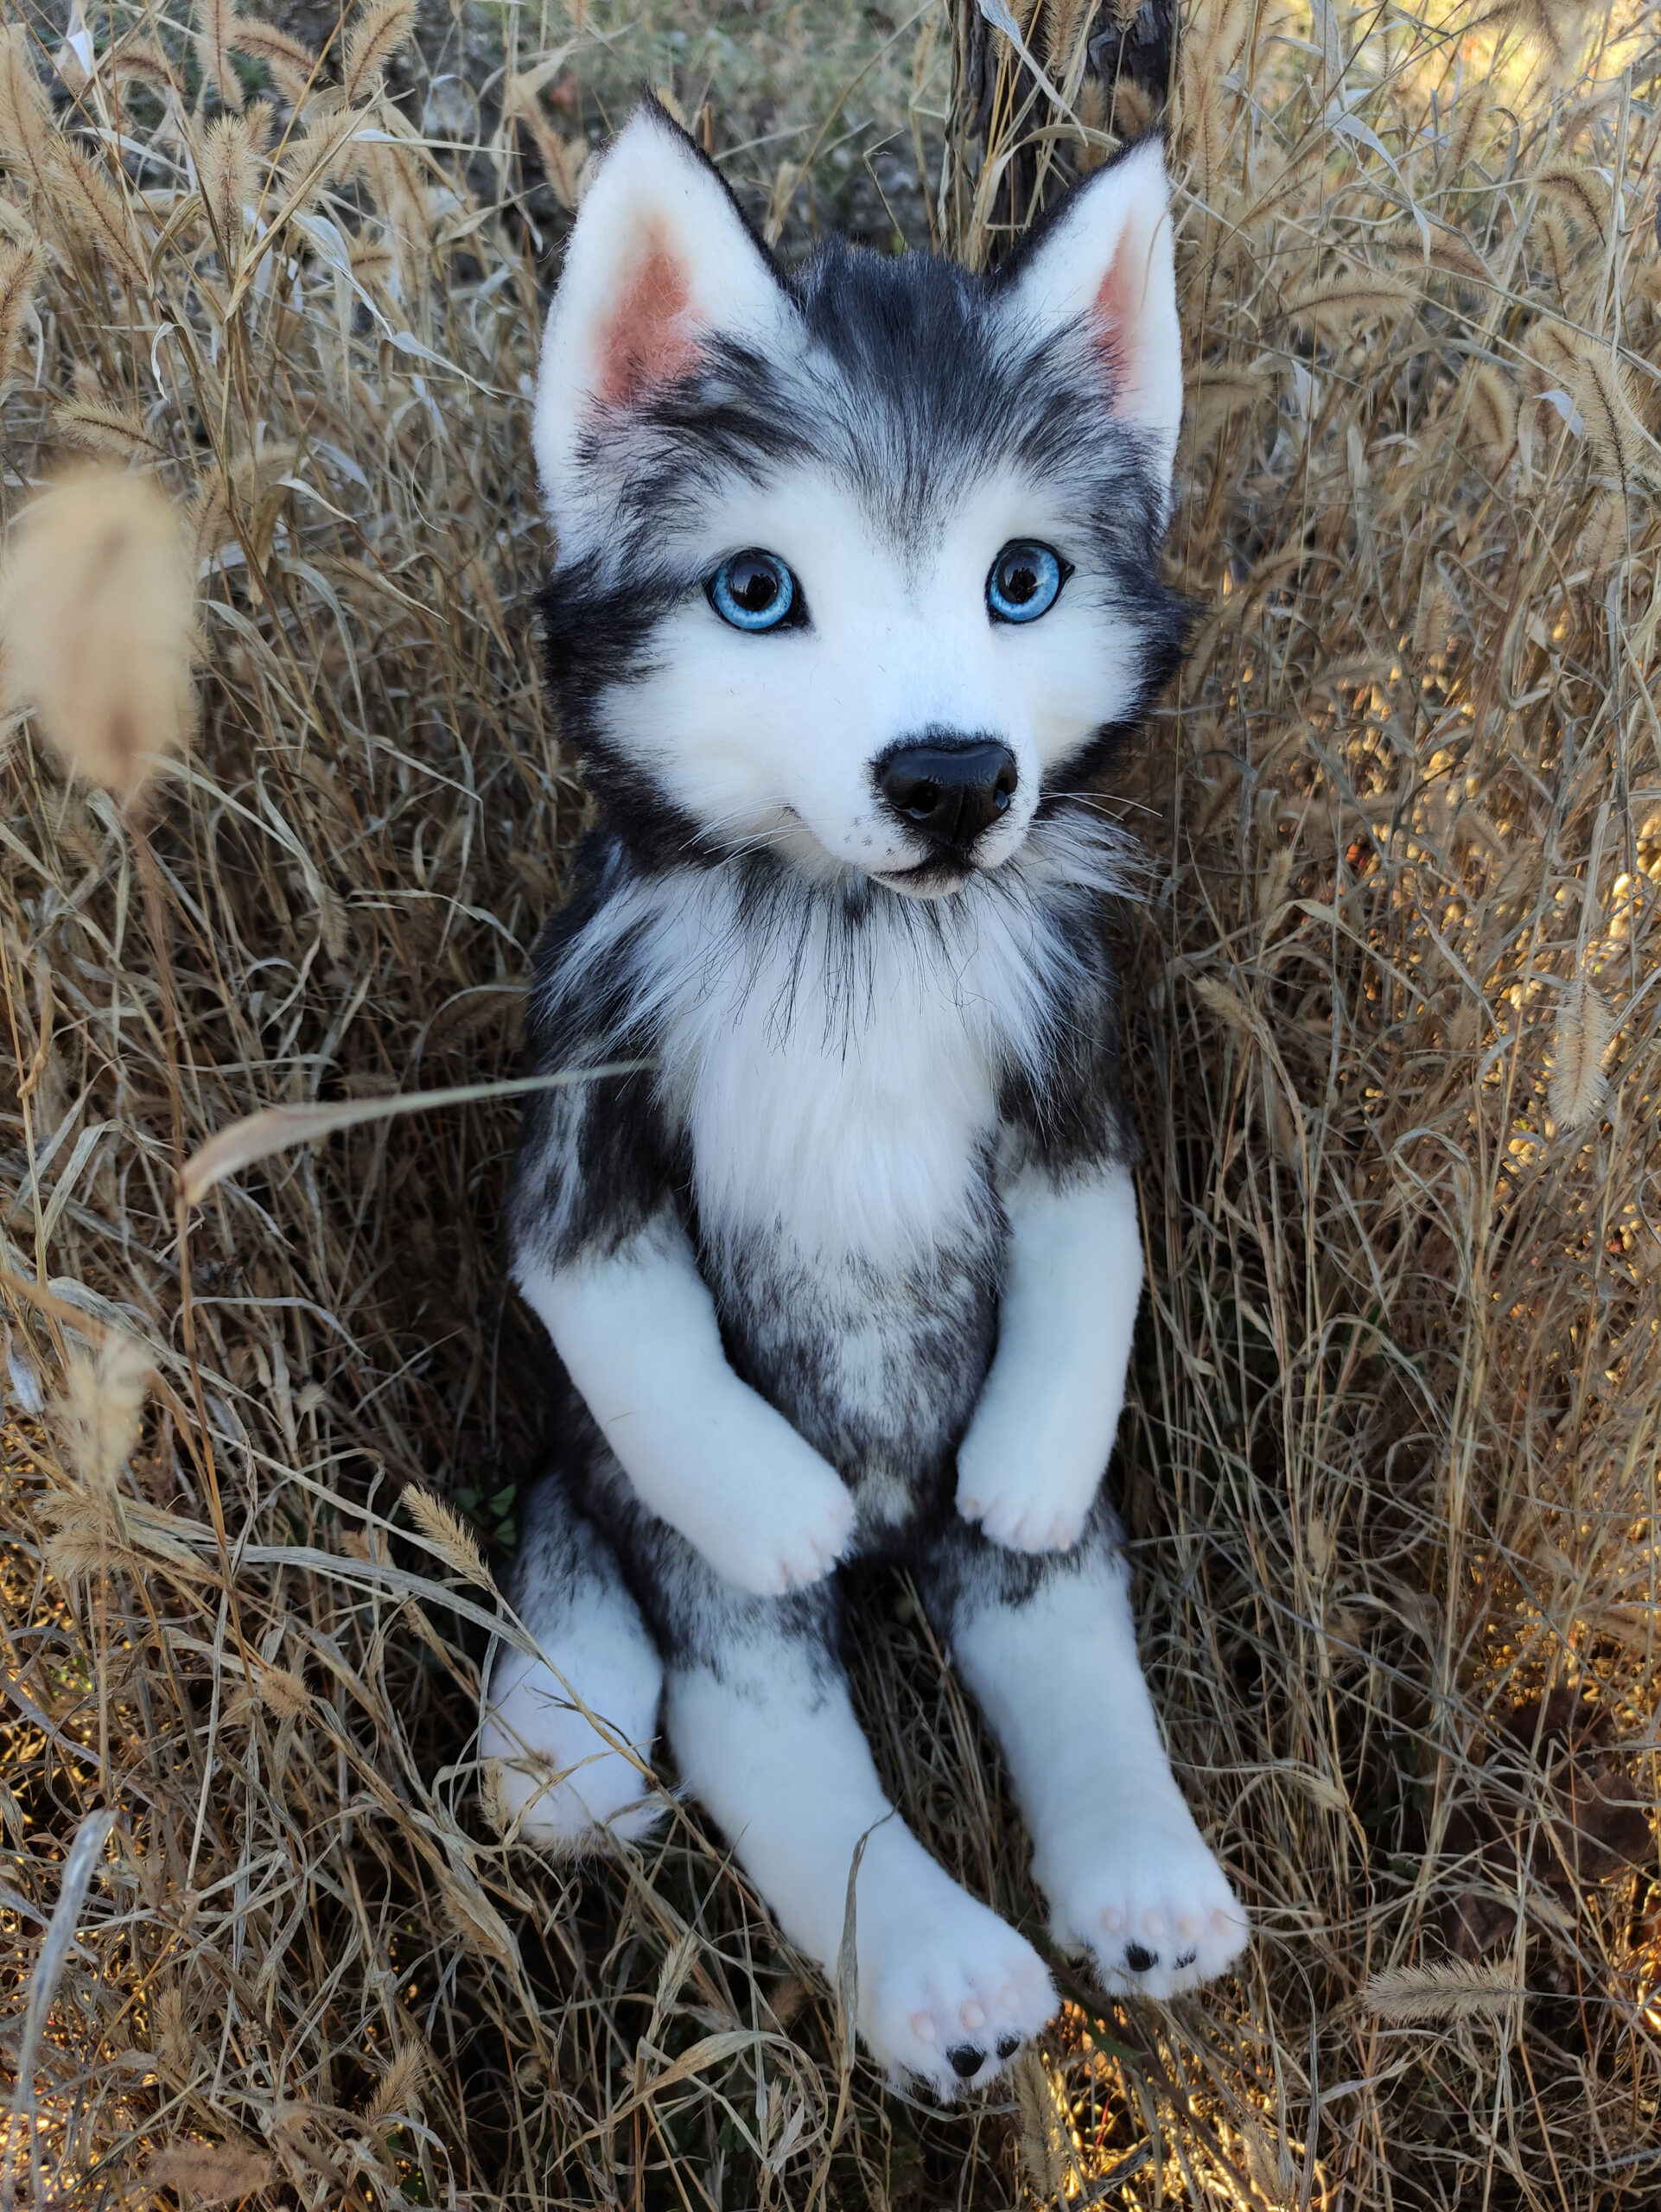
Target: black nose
950,792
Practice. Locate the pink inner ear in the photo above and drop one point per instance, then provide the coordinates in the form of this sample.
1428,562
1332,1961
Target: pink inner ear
647,342
1117,309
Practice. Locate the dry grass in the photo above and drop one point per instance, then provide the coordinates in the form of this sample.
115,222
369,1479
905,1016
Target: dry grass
1392,1470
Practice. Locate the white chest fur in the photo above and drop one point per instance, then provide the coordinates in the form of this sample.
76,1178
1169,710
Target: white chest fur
835,1075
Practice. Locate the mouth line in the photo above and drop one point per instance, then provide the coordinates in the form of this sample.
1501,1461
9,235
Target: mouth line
937,867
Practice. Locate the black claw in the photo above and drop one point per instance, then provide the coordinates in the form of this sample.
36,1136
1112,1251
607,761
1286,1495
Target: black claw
1187,1958
966,2058
1138,1958
1008,2046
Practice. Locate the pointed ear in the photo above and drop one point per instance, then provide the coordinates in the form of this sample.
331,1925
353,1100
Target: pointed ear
660,261
1108,261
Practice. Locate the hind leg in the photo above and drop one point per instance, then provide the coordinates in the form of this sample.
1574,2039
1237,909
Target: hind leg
765,1734
1048,1647
565,1786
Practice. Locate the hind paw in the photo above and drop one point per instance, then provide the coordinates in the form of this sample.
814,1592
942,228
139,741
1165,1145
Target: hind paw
1154,1910
949,1996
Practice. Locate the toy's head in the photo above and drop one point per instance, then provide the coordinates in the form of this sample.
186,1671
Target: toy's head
858,566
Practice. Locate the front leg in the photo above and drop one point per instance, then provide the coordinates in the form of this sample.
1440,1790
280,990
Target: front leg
1049,1649
638,1335
1043,1432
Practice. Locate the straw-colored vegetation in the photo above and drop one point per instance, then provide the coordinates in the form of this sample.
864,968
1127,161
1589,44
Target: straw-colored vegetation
1391,1470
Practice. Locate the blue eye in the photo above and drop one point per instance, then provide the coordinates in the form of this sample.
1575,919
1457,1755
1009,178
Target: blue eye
1026,582
753,591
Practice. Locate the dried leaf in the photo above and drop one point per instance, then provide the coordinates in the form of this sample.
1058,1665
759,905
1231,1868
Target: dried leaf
277,1128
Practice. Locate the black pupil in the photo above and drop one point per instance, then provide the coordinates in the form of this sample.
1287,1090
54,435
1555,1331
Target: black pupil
754,586
1019,580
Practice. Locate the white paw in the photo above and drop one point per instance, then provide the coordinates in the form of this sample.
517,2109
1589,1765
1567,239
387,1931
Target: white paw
787,1536
947,1992
1021,1522
1151,1905
554,1781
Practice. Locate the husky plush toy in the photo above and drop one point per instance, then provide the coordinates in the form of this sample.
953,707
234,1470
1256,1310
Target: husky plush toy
857,588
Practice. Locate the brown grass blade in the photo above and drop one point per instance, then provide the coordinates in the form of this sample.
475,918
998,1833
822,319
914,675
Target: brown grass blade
278,1129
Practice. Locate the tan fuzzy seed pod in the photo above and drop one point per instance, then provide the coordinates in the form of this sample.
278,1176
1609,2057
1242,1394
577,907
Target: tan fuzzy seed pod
213,49
1607,536
1449,255
229,169
282,1692
326,155
1556,250
29,141
1453,1989
102,425
1551,355
376,37
1603,392
209,2173
1047,2149
173,2045
21,269
1580,194
400,2085
82,190
101,1410
1491,410
448,1535
1330,309
1585,1029
95,627
1061,23
291,65
1469,129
